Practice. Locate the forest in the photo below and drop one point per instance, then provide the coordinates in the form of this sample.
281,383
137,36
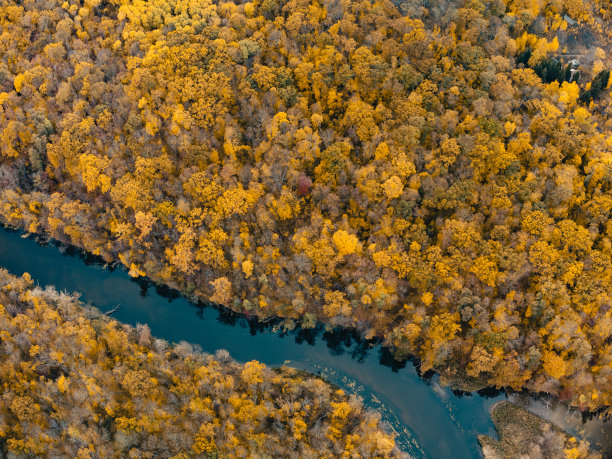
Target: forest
76,383
435,174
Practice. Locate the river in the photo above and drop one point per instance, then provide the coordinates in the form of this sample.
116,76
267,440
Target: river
431,421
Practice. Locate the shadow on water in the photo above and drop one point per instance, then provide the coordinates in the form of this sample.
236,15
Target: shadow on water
461,393
430,420
490,392
307,335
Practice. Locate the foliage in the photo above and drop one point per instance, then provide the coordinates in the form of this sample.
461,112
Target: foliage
427,175
76,383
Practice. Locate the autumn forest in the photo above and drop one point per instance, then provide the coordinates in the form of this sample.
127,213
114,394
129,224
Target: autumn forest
436,175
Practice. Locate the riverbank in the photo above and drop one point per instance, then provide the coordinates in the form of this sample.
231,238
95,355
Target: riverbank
431,421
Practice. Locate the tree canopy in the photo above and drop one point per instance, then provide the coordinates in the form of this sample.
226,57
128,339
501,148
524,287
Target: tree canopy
435,174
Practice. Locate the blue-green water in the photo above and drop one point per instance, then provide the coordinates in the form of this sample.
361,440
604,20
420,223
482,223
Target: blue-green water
431,420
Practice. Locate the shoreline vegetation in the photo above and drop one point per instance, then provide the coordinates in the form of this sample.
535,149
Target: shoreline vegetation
78,383
279,323
436,178
524,434
540,434
28,296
